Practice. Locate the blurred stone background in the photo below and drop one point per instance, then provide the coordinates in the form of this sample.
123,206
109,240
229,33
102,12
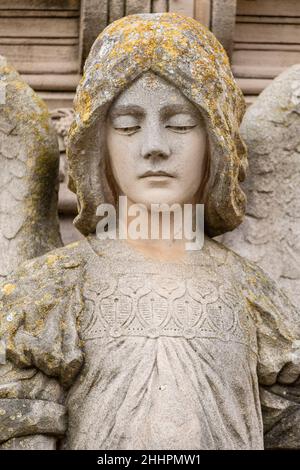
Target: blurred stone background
49,40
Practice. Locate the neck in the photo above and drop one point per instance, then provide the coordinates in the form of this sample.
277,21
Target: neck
160,234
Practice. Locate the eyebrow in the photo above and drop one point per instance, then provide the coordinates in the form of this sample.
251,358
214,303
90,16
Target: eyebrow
166,111
170,110
123,110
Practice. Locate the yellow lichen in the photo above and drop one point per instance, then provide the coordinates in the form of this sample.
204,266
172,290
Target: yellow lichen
7,289
84,106
51,259
72,245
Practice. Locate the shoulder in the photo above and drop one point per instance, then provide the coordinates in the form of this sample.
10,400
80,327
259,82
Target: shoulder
255,282
233,260
69,256
229,259
40,284
259,288
39,307
51,265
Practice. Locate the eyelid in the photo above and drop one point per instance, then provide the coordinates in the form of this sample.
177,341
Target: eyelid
182,120
127,130
177,126
124,121
181,129
190,126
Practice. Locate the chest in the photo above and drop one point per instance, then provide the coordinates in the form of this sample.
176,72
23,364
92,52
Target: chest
188,304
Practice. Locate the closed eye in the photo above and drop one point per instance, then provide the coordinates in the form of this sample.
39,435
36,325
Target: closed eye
127,130
181,129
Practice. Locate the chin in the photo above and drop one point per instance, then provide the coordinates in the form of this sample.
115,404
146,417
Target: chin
160,198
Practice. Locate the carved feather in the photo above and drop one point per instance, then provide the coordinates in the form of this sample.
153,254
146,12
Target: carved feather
29,159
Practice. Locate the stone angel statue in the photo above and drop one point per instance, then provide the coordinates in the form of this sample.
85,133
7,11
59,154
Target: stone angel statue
141,344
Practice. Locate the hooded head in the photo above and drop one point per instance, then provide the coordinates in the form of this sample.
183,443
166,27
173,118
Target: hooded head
185,53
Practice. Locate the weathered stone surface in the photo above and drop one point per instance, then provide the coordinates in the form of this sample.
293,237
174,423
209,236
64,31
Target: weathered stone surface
116,9
270,233
137,6
23,417
29,443
69,233
135,348
93,18
29,158
223,22
140,353
28,178
281,413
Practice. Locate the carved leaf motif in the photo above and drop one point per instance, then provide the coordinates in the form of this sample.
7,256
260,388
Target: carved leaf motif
153,309
204,292
188,311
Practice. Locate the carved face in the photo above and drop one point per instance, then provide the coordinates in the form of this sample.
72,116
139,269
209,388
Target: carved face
156,141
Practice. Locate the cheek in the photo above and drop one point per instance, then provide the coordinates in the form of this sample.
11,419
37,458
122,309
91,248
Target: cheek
191,156
119,156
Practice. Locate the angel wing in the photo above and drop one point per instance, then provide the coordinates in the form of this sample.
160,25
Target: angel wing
29,159
29,162
270,233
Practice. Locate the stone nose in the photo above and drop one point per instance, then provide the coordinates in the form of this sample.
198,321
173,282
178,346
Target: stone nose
155,145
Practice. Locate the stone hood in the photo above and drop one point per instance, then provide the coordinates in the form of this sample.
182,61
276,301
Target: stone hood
187,54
